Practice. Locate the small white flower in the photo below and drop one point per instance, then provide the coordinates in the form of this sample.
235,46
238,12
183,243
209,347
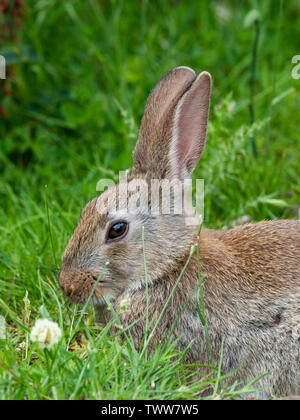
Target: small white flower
45,333
21,346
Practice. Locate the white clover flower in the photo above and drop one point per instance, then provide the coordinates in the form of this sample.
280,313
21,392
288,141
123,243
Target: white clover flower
45,333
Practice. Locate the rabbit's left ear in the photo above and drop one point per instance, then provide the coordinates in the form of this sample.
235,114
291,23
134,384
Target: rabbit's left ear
189,128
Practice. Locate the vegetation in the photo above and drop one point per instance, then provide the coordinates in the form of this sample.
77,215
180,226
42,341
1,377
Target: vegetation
78,74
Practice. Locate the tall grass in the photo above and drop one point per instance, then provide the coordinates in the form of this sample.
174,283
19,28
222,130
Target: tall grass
82,72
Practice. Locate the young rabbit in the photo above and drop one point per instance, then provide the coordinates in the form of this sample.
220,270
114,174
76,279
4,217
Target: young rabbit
251,274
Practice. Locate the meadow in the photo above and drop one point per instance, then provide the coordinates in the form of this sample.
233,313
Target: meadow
78,75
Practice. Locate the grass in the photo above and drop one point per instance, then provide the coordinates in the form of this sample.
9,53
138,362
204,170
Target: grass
82,71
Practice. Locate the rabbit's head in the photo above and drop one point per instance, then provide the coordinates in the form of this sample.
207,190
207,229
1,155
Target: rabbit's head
108,238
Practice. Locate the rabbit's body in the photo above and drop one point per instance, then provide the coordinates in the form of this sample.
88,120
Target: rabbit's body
256,313
251,274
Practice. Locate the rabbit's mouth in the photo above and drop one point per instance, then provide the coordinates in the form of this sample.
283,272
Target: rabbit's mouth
100,299
82,286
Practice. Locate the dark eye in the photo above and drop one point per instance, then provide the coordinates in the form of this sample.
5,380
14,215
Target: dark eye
117,231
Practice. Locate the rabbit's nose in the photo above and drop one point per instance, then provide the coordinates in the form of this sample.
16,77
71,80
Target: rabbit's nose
68,289
66,285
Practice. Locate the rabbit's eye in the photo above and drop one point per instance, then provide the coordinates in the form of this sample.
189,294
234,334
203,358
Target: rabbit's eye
117,231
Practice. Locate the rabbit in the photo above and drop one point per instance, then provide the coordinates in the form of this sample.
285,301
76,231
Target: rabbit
251,273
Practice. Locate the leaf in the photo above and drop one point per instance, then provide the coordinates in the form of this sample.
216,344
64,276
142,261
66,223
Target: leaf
280,97
44,313
273,202
29,53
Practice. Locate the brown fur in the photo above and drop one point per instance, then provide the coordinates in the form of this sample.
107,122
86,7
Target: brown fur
163,97
251,274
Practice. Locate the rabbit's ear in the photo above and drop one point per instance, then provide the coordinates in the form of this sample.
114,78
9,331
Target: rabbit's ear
189,128
163,97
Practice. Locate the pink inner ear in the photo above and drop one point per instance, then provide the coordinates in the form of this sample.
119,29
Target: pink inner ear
190,125
168,90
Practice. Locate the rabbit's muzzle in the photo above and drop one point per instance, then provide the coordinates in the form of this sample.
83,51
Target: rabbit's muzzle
78,285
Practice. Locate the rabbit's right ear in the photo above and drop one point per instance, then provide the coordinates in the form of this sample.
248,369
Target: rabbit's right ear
162,98
189,128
